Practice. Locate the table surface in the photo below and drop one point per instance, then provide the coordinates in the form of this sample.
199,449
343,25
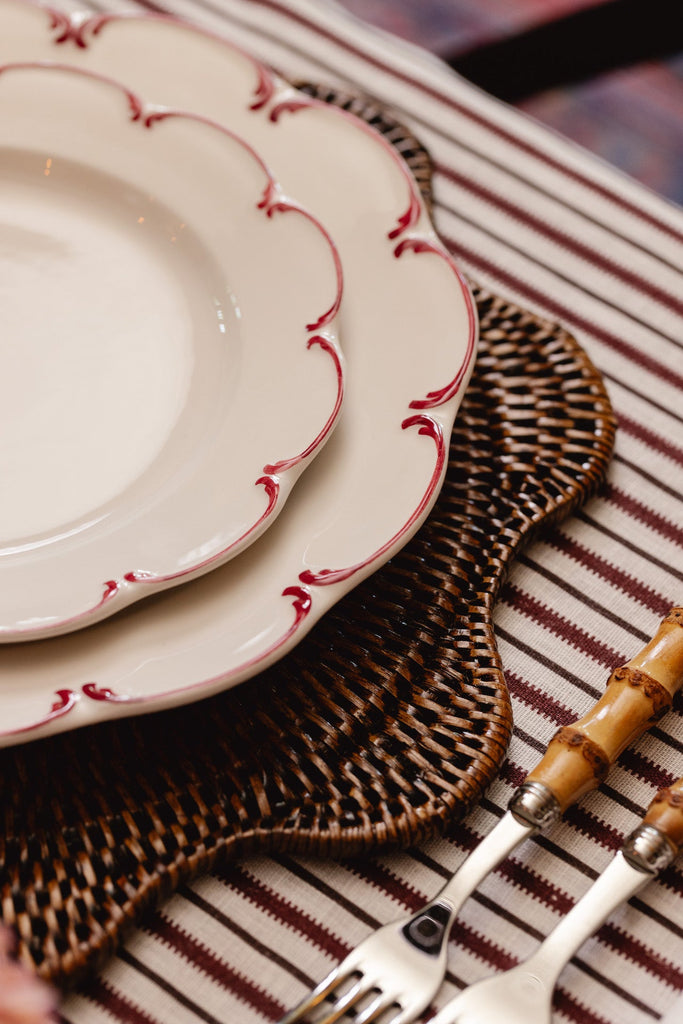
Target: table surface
556,230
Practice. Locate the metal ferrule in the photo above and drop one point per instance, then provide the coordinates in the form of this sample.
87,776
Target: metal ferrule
647,849
535,805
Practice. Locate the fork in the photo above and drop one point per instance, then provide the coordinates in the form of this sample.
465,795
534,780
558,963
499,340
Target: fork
524,994
396,971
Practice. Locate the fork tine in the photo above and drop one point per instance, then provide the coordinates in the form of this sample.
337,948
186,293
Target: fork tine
347,1001
375,1010
316,996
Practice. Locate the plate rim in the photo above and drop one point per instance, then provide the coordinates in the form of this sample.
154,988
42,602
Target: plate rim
277,477
413,232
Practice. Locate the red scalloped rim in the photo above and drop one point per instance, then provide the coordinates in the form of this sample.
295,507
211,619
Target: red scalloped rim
271,201
427,425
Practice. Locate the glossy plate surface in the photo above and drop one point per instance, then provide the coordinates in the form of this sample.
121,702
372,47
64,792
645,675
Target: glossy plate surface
169,350
409,330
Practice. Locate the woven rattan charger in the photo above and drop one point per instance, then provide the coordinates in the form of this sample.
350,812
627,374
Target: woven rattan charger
381,728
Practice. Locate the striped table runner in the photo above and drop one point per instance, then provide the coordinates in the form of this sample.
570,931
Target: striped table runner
537,220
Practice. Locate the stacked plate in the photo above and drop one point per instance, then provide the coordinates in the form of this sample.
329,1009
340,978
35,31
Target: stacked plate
219,297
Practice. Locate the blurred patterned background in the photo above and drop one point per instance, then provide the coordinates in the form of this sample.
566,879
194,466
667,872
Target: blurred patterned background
629,113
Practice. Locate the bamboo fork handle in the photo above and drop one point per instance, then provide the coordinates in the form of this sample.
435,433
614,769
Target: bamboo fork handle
637,695
665,813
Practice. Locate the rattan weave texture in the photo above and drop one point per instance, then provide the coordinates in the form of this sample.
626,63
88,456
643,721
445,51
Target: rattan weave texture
381,728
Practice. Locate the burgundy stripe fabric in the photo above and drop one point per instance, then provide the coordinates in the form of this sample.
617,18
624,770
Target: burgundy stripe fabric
117,1005
203,959
548,226
573,1010
550,619
291,916
622,941
596,563
661,445
638,510
543,228
564,313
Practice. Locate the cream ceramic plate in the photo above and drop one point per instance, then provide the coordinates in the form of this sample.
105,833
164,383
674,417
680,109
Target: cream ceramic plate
409,330
169,354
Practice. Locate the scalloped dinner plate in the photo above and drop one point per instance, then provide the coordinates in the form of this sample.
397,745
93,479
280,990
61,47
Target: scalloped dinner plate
409,328
169,347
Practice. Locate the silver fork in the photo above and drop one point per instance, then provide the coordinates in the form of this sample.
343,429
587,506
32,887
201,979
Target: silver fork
524,994
402,965
394,974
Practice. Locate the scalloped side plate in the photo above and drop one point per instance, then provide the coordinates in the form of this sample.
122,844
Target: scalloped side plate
409,328
169,347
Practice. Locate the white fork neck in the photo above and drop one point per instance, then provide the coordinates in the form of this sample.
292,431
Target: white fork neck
614,886
493,848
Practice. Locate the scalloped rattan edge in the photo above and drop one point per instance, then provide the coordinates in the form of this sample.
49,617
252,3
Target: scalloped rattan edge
382,728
